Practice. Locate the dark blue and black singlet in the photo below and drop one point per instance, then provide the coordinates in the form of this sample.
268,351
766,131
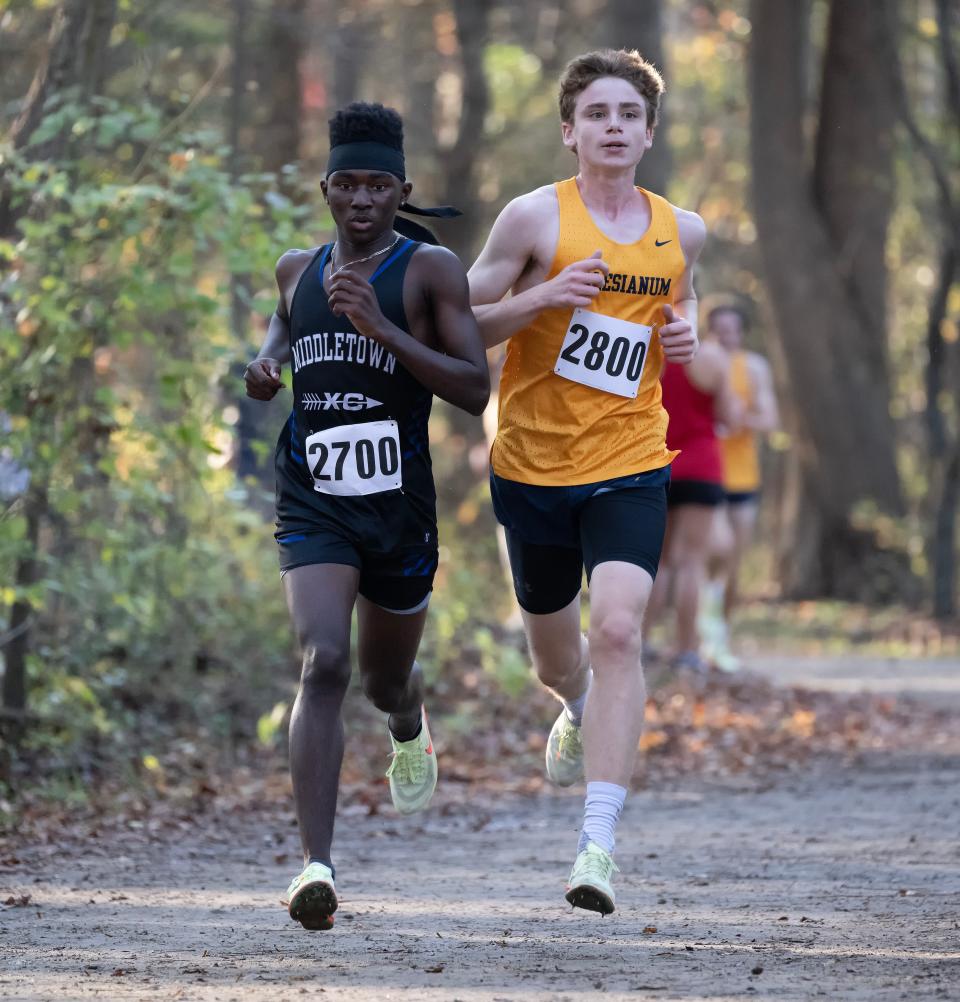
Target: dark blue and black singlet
354,478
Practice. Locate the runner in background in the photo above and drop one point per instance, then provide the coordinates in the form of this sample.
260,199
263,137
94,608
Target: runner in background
735,521
697,397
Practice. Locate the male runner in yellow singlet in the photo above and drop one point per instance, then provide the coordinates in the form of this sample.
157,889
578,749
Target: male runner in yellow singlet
733,527
601,275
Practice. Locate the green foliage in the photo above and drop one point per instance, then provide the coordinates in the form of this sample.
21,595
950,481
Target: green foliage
158,583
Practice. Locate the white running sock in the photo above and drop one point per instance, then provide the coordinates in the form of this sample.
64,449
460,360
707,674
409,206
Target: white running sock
574,707
601,812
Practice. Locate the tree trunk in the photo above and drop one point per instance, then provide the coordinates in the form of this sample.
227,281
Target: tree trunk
273,143
459,162
631,25
829,341
853,172
17,648
74,60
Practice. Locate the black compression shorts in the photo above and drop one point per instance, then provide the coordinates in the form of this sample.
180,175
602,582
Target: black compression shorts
554,533
702,492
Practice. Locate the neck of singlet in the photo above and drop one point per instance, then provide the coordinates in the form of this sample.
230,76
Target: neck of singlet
397,252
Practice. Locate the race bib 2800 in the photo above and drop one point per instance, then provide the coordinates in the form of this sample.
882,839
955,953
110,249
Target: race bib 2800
604,352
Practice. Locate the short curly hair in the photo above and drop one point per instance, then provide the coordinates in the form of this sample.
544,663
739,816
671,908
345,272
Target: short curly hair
735,309
362,122
626,64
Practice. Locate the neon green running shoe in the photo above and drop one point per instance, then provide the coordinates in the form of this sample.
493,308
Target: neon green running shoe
311,897
413,771
564,754
589,885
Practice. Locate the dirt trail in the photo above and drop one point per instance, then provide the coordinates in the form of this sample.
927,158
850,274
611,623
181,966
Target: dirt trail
842,885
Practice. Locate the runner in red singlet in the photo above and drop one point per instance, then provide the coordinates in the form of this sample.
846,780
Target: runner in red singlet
696,397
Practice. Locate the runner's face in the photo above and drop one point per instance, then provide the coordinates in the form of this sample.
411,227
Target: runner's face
727,329
609,127
363,203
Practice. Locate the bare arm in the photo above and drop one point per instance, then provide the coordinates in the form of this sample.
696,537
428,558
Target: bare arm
710,372
763,415
458,371
511,252
678,335
262,375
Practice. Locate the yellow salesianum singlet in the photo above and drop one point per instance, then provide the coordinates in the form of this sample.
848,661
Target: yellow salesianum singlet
555,432
741,464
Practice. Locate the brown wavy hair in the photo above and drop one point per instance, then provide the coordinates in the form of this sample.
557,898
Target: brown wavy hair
627,64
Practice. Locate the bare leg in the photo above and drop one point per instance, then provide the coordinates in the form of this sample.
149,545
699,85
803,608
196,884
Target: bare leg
722,548
613,719
688,564
320,598
743,520
662,592
387,645
559,650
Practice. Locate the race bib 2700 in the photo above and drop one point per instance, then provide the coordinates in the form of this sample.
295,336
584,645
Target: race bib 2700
355,459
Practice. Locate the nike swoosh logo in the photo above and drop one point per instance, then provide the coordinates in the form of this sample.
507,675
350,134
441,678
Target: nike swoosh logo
660,243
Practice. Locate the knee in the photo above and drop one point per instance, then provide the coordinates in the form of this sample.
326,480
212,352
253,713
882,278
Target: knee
384,693
326,669
615,636
553,666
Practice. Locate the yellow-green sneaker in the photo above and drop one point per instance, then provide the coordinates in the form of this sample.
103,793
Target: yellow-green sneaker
564,756
413,771
589,885
311,897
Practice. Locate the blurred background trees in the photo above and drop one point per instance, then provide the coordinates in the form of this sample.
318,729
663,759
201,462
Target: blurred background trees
158,157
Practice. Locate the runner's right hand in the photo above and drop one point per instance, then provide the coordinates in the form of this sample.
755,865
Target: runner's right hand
578,283
262,378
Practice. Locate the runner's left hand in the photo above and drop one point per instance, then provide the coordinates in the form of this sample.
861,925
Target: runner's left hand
353,296
677,337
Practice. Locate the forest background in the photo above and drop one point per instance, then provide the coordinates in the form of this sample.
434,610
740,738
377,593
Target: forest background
158,157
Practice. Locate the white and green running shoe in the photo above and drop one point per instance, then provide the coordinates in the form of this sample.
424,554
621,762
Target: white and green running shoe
413,771
564,755
589,885
311,897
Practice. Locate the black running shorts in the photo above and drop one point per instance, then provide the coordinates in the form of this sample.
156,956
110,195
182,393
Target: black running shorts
390,538
702,492
554,533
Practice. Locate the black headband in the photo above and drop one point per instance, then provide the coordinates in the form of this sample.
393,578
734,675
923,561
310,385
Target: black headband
369,155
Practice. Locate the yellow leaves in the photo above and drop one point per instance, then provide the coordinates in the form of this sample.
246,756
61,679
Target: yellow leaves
652,739
151,763
468,512
801,723
179,161
26,325
269,724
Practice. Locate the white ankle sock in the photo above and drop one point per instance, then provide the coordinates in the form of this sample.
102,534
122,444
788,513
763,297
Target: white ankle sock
601,812
574,707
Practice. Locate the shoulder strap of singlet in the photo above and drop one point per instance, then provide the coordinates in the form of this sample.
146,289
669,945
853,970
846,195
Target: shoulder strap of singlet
321,252
325,253
662,215
398,252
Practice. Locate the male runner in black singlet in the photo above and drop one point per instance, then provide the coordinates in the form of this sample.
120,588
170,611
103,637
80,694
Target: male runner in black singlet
373,325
